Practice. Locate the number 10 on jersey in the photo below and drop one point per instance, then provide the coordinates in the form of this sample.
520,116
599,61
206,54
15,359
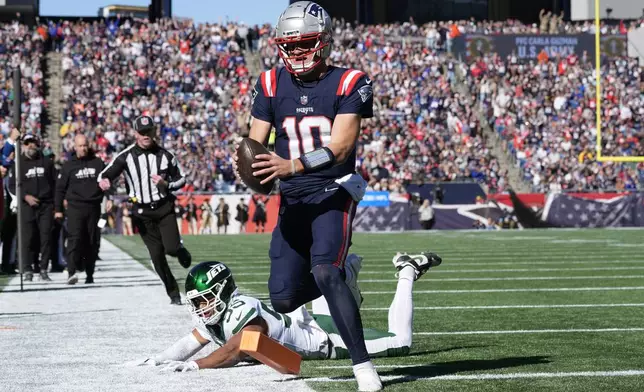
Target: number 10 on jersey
309,133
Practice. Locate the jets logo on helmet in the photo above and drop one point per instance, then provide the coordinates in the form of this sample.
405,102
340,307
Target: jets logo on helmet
214,271
209,288
303,35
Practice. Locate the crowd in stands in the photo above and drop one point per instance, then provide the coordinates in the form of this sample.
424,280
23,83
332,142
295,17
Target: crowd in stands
24,48
545,113
194,81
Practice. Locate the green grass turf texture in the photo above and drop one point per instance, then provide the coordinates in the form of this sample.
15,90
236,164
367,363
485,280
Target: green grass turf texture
584,258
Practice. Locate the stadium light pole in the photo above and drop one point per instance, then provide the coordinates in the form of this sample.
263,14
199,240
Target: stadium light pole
17,123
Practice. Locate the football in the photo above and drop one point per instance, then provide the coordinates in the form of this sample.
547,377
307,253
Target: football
246,152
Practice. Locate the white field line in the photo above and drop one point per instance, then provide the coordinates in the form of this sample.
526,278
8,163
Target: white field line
531,290
476,307
438,270
530,331
483,376
520,278
478,259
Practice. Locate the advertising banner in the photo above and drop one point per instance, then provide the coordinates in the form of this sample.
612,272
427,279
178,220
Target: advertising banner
375,199
528,46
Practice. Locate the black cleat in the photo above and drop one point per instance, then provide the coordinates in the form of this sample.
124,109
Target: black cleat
420,263
45,277
29,276
89,280
175,301
185,258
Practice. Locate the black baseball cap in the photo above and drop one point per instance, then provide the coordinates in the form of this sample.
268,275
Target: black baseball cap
144,125
29,138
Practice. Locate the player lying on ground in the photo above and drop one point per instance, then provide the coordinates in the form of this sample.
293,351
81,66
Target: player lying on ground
224,314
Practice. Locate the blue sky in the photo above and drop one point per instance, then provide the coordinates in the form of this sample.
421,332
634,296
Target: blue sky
249,11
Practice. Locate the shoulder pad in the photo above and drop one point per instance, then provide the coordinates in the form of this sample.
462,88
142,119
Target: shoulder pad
241,310
268,80
348,81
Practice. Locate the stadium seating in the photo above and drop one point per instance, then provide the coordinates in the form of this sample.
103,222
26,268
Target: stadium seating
194,81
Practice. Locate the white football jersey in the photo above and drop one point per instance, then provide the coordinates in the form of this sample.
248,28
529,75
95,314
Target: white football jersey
296,330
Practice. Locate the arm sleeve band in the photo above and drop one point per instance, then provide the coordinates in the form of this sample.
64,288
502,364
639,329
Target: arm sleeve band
183,349
317,160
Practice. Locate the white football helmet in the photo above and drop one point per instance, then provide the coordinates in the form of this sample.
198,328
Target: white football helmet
303,36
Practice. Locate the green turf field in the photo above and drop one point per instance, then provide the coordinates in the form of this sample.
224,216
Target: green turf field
542,310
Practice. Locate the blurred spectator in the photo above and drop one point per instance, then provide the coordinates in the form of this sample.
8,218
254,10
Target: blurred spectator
206,217
223,215
242,215
426,215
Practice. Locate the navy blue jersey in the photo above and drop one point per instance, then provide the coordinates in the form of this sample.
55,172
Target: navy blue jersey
303,114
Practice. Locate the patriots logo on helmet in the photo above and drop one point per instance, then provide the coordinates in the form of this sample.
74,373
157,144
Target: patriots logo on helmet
304,99
315,10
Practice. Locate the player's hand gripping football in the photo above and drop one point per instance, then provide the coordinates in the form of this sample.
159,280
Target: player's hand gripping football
274,165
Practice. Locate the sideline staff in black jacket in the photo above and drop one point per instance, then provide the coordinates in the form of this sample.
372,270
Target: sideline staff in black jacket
38,179
77,184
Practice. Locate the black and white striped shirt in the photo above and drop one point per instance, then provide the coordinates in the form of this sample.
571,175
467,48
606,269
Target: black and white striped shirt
139,166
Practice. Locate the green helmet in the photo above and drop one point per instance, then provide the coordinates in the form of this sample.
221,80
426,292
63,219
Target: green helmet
209,288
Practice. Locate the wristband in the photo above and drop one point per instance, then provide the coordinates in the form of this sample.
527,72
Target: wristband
317,160
292,166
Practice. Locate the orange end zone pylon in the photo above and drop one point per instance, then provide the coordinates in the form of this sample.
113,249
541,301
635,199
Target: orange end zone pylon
270,353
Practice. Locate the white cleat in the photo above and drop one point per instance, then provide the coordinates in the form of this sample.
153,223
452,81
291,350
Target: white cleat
72,279
352,266
420,263
368,380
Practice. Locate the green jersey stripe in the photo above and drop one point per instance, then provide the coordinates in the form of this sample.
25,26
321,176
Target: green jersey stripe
245,320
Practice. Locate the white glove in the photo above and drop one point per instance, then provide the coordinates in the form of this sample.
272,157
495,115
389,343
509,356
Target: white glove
179,366
142,362
13,206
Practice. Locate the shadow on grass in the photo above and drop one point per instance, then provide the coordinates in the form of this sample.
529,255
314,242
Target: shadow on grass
412,373
453,367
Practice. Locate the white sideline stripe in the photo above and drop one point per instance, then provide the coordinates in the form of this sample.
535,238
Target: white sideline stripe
483,376
529,331
521,278
516,307
535,290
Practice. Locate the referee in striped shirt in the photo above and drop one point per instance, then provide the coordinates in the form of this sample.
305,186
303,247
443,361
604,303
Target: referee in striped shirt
151,174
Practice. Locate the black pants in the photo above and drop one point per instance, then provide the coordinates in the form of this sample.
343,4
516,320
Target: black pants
82,220
428,224
159,231
37,223
56,262
8,235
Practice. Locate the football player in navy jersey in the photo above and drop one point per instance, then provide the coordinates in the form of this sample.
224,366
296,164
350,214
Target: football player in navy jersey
316,110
